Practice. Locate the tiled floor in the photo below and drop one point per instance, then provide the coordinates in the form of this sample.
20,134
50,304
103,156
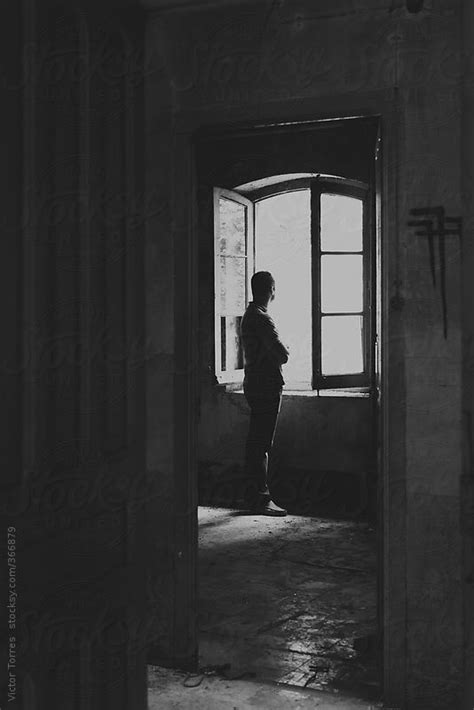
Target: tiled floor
289,600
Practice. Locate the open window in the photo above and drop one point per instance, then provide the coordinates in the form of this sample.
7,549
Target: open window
314,234
234,266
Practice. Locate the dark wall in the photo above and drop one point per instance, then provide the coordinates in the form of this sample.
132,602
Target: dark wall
72,363
12,253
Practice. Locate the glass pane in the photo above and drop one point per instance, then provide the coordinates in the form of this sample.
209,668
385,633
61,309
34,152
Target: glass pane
341,223
341,283
231,350
341,345
283,247
232,227
232,283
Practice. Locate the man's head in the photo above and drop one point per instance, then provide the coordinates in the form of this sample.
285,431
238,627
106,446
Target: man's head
263,287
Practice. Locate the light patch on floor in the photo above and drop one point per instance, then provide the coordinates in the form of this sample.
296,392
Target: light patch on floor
289,600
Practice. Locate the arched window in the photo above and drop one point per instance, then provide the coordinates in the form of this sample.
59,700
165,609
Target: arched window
313,233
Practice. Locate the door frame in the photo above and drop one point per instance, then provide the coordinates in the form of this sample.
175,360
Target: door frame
392,470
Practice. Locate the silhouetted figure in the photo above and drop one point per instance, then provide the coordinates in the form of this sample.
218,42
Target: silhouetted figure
264,355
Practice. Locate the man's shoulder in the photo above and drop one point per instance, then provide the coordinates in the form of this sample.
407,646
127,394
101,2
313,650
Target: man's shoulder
257,316
254,311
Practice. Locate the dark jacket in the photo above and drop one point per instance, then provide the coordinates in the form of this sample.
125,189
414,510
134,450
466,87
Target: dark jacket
264,353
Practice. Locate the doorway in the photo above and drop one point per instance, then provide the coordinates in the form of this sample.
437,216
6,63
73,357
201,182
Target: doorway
297,600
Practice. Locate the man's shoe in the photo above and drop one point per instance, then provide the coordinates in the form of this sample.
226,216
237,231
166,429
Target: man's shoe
272,508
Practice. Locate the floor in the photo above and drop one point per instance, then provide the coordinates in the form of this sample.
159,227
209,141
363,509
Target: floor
171,690
288,600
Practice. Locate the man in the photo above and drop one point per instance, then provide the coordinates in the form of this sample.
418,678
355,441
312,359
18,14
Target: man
264,355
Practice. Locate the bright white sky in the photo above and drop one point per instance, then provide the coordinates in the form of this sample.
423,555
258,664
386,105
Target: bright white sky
283,247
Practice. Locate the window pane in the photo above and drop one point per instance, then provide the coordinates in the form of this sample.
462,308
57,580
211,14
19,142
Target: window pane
232,216
231,349
341,283
283,247
341,223
232,282
341,345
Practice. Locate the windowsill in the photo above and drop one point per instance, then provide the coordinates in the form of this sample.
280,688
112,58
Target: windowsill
354,393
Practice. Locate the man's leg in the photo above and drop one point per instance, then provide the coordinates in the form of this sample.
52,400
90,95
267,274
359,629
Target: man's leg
264,411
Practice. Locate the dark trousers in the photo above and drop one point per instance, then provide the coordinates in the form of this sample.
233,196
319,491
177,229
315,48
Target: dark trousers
264,409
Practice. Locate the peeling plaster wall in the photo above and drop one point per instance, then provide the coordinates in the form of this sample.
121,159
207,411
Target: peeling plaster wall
263,61
313,433
317,437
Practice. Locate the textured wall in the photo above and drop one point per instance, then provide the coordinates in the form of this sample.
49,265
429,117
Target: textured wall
467,484
73,475
316,436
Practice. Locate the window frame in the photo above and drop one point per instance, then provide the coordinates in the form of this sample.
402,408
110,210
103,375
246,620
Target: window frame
318,185
235,375
361,191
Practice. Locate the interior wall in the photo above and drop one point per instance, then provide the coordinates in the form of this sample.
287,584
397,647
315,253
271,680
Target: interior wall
262,61
71,362
322,459
467,482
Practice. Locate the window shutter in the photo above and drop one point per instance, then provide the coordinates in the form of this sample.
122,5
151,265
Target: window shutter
234,266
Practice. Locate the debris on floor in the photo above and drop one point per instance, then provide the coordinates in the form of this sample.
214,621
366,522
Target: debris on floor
291,600
168,691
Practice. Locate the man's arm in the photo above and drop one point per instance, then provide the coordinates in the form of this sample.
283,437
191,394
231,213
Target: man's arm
271,340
